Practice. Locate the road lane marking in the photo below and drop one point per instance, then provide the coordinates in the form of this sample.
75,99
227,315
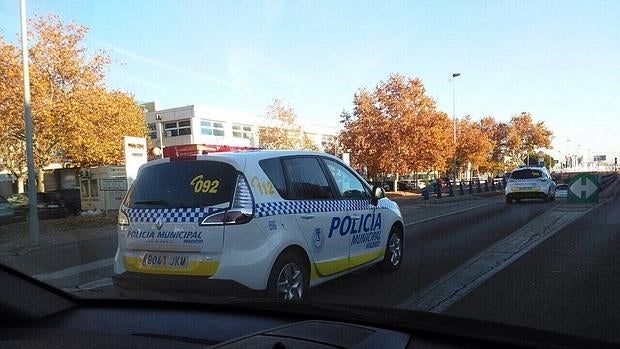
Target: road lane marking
90,285
75,270
452,287
448,214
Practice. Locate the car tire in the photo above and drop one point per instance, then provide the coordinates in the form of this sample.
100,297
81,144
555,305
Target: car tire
393,257
546,197
289,279
508,200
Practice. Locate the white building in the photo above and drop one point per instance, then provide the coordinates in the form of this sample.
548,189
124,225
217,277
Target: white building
194,124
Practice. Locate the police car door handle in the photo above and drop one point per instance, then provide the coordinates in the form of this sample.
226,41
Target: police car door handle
355,217
306,216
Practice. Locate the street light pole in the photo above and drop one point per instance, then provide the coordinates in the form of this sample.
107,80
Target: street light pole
454,123
159,126
568,154
33,214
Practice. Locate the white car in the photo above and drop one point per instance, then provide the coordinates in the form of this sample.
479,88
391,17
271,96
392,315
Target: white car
530,183
281,221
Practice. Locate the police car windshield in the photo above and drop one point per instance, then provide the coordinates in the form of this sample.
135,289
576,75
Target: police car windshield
183,184
527,174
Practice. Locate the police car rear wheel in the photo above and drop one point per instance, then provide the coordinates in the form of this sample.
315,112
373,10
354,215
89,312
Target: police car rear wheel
289,278
394,251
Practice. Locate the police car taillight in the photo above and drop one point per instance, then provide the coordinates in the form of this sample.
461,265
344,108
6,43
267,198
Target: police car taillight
122,218
241,210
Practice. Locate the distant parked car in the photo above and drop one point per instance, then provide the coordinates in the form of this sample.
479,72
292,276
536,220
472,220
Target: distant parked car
68,199
6,211
53,204
406,185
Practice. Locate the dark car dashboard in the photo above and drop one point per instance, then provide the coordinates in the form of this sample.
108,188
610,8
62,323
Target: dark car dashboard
35,315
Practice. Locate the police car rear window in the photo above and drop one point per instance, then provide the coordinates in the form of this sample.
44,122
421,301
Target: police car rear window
183,184
273,170
526,174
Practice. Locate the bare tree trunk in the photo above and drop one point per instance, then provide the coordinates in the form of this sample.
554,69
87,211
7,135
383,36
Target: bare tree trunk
20,183
40,180
395,187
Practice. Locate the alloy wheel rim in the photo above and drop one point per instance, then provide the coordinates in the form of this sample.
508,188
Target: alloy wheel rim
395,249
290,282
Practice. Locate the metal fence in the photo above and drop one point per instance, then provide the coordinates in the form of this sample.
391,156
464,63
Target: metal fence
463,188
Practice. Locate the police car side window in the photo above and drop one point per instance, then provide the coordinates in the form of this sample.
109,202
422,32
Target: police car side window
307,181
348,185
273,170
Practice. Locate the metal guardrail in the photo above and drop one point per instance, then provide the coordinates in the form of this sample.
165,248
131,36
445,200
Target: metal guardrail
463,188
606,180
495,184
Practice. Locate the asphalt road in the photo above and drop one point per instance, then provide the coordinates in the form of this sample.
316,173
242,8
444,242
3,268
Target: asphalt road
433,248
565,283
568,284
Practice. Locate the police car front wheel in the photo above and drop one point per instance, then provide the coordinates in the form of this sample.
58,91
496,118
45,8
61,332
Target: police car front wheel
393,251
289,278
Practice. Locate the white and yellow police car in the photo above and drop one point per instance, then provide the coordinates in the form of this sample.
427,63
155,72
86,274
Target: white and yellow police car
280,221
530,182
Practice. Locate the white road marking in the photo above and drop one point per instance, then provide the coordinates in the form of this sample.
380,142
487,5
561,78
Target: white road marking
455,285
75,270
90,285
448,214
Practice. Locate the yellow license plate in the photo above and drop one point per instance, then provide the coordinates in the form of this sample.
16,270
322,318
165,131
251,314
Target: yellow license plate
527,189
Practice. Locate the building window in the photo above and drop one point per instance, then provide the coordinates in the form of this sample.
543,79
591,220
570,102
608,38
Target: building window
212,128
242,131
177,128
94,188
153,131
85,188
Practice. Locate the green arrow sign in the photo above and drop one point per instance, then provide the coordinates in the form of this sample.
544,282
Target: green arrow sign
583,188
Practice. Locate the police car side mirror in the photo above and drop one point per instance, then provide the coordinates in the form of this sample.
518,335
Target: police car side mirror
377,193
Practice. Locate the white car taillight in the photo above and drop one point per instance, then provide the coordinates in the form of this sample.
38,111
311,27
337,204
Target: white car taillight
122,218
242,208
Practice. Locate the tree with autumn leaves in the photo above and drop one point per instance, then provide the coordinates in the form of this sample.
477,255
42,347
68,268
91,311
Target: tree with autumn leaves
77,121
284,132
473,146
396,129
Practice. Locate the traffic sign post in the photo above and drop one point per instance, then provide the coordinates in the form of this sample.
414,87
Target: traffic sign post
583,188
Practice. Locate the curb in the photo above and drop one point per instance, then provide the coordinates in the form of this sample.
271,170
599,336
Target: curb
457,198
445,198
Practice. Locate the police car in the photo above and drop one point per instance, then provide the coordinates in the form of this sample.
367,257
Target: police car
280,221
530,182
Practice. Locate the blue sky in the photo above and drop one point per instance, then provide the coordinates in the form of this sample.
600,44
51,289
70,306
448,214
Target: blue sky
559,60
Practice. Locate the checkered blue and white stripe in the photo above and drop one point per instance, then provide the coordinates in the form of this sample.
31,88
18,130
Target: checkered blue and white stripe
309,206
169,215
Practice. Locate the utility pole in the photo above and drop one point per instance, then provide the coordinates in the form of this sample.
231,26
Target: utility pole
454,76
33,214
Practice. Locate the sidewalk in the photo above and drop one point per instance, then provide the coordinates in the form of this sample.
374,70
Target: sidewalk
14,239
